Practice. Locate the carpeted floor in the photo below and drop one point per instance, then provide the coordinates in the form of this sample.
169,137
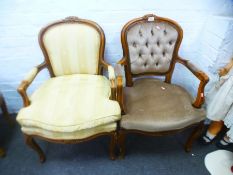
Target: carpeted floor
145,155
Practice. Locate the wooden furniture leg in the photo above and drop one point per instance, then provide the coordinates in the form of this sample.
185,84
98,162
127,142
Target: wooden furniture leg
32,144
121,143
112,147
195,134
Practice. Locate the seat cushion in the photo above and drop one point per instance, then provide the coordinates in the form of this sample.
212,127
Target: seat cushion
152,105
79,134
70,103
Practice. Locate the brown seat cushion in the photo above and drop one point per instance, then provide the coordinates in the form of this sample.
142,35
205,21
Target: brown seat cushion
152,105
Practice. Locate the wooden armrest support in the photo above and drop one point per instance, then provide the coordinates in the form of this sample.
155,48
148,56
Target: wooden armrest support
119,93
118,70
202,76
112,78
224,70
122,61
27,81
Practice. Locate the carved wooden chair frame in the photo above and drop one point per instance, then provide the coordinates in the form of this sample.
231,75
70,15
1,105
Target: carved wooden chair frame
125,62
29,139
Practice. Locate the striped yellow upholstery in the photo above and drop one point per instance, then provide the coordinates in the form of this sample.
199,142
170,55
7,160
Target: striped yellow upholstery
80,134
73,48
70,103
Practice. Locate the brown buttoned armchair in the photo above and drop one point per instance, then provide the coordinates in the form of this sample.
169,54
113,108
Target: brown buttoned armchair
77,103
151,106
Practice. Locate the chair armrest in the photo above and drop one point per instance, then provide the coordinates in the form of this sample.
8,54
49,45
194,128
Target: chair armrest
224,70
202,76
120,96
112,78
27,81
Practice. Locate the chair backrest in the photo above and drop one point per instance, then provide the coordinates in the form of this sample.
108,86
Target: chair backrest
72,46
150,46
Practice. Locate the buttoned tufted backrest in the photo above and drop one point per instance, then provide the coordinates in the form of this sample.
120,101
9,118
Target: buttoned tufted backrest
72,46
150,45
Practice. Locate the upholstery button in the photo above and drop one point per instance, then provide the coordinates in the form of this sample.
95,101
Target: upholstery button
145,64
134,44
139,54
163,53
152,32
140,32
158,43
170,42
152,54
156,63
146,44
165,32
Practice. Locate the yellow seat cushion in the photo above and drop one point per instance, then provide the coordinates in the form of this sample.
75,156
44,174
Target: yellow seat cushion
154,106
70,103
80,134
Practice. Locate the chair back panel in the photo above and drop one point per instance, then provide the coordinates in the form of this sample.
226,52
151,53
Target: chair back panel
150,46
72,48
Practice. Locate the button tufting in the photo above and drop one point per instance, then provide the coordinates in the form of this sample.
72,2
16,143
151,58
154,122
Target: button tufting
146,44
170,42
139,54
134,44
156,63
145,64
140,32
158,43
163,53
152,32
165,32
152,54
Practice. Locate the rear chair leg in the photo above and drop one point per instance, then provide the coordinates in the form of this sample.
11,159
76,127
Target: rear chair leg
112,146
195,134
121,143
32,144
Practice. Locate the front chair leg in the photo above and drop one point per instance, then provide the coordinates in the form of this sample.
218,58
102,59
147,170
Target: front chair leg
32,144
121,143
195,134
112,146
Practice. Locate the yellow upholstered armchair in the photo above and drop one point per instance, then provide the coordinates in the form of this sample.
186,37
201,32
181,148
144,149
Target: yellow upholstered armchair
77,103
151,106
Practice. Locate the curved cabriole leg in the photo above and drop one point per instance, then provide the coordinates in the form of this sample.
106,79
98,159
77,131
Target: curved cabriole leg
195,134
112,146
32,144
121,143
